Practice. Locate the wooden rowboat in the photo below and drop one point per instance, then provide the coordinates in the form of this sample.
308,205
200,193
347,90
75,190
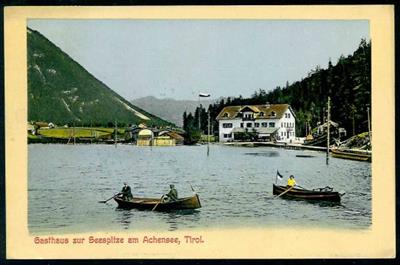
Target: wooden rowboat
192,202
302,194
353,155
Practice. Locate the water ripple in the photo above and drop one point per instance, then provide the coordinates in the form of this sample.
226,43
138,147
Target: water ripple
234,185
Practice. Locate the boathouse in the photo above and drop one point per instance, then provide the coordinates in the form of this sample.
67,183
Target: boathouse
145,138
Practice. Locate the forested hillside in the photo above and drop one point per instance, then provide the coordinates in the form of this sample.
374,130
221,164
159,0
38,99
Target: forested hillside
348,83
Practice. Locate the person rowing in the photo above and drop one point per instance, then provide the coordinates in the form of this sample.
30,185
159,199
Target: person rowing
126,192
172,195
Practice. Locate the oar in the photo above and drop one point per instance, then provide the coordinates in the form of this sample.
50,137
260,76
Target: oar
300,187
283,192
155,206
108,199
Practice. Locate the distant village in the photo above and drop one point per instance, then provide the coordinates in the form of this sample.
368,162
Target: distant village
274,123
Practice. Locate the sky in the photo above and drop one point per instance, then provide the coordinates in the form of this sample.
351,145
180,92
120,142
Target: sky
181,58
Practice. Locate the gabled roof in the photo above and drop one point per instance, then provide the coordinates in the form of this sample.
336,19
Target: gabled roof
267,110
250,108
172,135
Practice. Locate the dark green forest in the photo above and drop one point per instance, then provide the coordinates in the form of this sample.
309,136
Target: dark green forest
347,83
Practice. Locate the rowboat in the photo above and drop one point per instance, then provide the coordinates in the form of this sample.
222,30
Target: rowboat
323,194
353,155
155,204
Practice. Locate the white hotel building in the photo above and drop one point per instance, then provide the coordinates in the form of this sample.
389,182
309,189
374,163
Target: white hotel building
270,122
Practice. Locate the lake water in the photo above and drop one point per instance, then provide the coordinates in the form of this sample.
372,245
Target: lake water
234,184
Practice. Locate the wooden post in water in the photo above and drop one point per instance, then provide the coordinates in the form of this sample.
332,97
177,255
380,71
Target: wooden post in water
328,120
115,133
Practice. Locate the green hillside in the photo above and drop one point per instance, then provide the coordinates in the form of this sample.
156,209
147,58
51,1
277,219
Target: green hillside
63,92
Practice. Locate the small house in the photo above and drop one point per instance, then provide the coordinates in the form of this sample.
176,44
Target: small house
164,140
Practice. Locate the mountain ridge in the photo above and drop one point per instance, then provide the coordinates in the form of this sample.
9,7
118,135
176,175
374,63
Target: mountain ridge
169,108
62,91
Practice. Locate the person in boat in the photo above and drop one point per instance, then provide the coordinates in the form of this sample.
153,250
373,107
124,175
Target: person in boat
126,192
172,195
291,182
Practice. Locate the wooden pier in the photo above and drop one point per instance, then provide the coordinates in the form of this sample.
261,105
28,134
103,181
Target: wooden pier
278,145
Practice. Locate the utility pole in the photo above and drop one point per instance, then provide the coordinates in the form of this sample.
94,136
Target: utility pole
306,129
91,132
73,132
328,118
353,111
369,128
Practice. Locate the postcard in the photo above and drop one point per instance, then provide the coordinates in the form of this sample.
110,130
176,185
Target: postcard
257,132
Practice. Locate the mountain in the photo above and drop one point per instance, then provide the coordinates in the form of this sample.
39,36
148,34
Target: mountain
169,109
63,92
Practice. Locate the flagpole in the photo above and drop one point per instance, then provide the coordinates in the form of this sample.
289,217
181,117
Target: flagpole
204,95
199,113
208,133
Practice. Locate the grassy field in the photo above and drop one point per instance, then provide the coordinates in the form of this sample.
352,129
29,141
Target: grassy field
204,138
78,132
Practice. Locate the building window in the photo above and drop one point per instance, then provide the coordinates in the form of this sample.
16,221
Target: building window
241,125
227,135
288,115
227,125
264,124
261,114
272,124
256,124
273,114
248,125
226,114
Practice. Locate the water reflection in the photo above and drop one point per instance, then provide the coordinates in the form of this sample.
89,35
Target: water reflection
175,219
124,217
267,154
